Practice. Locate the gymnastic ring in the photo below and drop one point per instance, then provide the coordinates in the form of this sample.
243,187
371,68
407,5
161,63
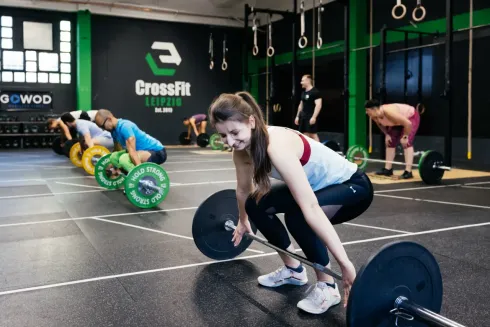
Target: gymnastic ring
414,13
301,40
319,43
404,11
255,50
224,65
270,51
211,65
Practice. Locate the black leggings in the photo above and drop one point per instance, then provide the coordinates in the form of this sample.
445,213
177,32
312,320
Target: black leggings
340,202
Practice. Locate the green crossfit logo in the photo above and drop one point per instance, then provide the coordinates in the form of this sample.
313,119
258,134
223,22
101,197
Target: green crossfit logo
173,58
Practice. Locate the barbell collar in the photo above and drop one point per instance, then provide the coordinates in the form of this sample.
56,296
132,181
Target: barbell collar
229,225
150,185
424,314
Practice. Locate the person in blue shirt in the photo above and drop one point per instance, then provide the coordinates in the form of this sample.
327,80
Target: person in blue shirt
138,146
90,133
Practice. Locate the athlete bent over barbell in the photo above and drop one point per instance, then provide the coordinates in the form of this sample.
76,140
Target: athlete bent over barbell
196,121
395,120
90,133
138,146
320,188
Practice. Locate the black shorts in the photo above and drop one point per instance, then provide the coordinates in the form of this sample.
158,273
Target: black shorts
158,157
305,127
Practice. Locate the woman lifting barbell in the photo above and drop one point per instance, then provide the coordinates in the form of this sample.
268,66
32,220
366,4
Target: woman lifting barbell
317,183
395,120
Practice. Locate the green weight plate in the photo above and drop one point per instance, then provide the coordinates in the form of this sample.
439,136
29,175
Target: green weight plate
101,176
216,142
144,197
359,152
428,173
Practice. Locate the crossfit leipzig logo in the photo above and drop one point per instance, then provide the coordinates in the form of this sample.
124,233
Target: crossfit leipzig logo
163,96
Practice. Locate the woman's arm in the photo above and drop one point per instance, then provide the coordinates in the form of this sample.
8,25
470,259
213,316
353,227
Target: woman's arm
285,160
244,174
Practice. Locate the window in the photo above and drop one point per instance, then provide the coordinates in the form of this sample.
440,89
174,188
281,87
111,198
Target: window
31,66
48,62
6,21
65,47
65,26
19,77
42,77
49,65
38,36
31,77
31,55
65,68
65,36
65,78
65,57
7,76
7,32
13,60
7,43
54,78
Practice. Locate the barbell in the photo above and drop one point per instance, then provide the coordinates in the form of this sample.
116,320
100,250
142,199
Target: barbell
401,281
431,163
203,140
145,186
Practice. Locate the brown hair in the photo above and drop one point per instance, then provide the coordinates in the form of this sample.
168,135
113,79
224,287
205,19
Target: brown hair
239,107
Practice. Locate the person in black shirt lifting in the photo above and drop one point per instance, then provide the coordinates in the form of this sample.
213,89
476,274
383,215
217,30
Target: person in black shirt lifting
309,108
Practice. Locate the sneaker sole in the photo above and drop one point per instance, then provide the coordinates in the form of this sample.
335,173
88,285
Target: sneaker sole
320,311
286,282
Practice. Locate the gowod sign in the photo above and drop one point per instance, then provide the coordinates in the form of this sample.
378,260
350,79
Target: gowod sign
24,100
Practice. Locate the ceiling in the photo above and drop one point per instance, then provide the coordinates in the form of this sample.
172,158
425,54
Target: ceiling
214,12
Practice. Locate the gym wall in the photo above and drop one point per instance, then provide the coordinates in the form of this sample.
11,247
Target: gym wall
43,71
123,61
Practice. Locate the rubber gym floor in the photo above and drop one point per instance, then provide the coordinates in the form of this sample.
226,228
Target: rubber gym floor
73,254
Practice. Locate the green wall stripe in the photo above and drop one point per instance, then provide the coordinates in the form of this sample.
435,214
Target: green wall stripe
357,75
84,61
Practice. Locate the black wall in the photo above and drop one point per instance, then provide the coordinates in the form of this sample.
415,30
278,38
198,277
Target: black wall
328,69
64,95
119,47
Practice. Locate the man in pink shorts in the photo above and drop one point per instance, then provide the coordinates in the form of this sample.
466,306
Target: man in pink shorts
399,123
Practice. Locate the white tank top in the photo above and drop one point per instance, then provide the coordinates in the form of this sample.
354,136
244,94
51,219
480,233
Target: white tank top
323,167
76,114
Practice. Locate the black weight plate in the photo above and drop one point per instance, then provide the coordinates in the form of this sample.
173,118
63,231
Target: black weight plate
57,146
183,140
428,173
397,269
332,145
203,140
67,147
208,226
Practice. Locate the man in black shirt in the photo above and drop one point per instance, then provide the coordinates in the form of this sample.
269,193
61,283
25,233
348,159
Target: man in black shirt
309,109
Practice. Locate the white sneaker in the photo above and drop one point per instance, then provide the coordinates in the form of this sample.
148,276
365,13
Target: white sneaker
320,299
283,276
